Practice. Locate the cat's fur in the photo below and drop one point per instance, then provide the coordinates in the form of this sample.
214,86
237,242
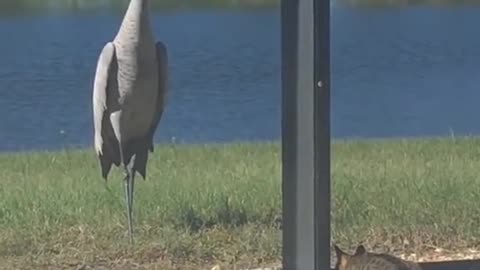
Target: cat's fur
363,260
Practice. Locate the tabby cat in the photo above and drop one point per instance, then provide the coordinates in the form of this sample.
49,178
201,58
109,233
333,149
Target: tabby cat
363,260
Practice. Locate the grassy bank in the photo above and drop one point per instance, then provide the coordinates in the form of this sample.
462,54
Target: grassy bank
12,6
204,204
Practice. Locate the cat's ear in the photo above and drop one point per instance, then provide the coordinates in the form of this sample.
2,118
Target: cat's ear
342,258
338,251
360,250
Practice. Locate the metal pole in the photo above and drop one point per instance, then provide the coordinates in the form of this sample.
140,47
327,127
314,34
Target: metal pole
306,134
322,196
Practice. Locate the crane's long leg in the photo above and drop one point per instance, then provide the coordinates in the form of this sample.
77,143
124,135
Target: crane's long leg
129,184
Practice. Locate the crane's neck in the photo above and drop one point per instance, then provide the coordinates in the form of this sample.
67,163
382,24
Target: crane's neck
136,22
138,7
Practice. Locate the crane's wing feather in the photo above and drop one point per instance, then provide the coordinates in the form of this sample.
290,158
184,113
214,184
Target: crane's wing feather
100,87
162,61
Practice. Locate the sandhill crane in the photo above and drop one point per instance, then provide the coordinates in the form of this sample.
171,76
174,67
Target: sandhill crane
129,92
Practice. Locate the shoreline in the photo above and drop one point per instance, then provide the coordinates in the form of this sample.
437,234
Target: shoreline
277,142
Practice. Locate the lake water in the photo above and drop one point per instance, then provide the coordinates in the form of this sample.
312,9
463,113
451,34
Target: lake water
396,72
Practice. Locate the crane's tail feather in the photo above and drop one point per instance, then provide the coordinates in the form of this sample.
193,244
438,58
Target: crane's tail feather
105,165
140,163
110,156
139,149
110,151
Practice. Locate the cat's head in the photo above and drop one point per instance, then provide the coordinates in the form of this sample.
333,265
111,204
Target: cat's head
343,259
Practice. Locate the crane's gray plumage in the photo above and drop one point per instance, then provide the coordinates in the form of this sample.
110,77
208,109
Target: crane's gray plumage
129,94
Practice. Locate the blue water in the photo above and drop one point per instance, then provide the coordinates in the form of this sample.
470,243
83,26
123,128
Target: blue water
396,72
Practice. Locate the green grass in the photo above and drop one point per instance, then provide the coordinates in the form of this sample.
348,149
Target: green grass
12,6
15,6
221,203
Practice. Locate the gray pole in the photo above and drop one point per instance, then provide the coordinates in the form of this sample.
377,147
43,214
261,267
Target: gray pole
306,134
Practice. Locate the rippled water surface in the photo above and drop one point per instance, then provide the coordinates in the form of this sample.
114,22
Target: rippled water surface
396,72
